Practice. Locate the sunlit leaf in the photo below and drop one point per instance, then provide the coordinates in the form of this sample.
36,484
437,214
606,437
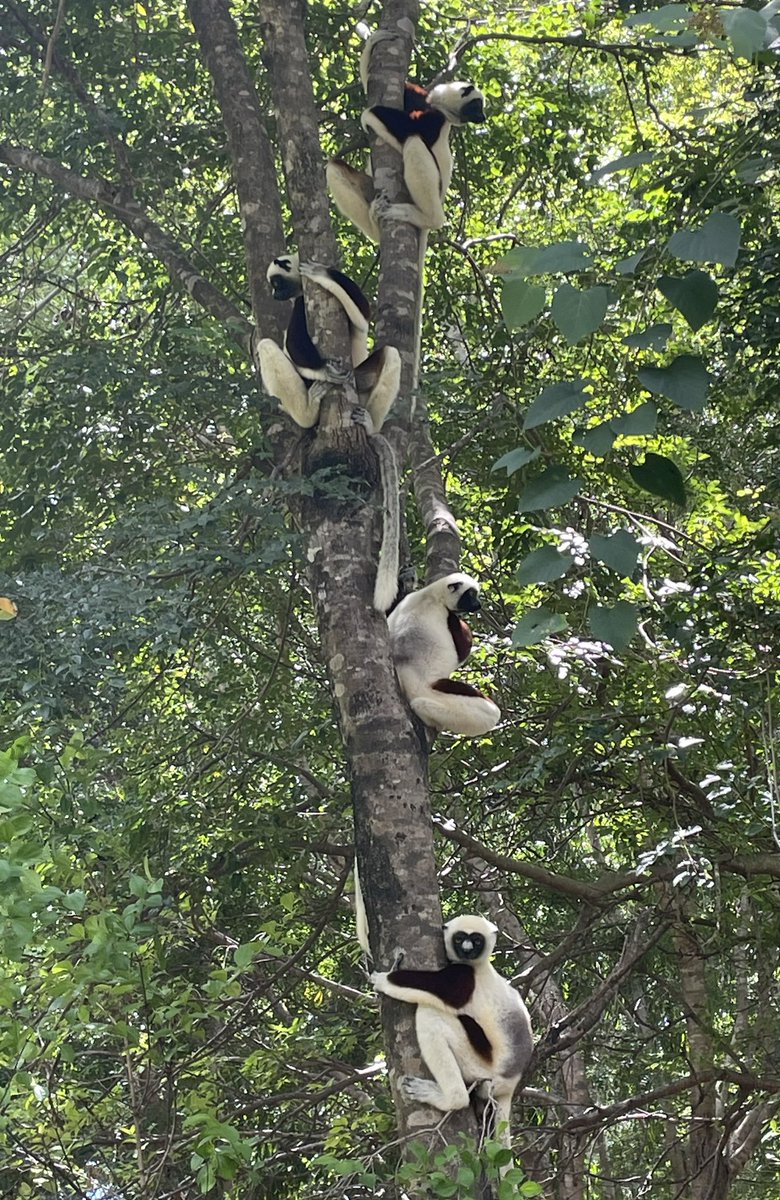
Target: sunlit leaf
558,257
746,30
619,551
555,401
515,459
616,625
579,313
521,302
549,490
716,241
685,381
659,476
537,624
8,609
654,337
626,266
671,16
695,295
544,565
626,162
599,439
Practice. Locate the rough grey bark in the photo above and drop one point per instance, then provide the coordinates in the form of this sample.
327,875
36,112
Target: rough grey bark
250,153
387,754
400,299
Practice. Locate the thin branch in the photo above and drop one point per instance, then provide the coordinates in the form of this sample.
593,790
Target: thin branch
120,204
637,1105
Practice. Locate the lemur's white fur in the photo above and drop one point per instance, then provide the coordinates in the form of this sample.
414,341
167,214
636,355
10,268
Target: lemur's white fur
298,374
492,1046
423,144
429,640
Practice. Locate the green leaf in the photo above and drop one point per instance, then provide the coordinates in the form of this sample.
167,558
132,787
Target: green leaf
515,459
670,17
626,162
654,337
244,955
639,423
616,625
717,240
536,625
579,313
549,490
685,381
694,295
544,565
746,30
521,302
626,266
558,257
555,401
599,439
659,476
619,551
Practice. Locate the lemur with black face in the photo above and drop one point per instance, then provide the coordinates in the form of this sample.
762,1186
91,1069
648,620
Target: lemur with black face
471,1024
297,375
429,640
420,132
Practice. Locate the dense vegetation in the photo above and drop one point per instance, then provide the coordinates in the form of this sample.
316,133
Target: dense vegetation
183,1009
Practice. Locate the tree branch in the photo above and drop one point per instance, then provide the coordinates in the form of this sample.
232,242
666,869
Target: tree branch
254,171
121,205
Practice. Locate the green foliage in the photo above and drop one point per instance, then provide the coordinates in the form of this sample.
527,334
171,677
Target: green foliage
182,1006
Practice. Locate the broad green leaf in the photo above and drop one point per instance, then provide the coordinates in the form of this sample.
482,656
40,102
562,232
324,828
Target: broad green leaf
751,169
626,266
579,313
638,423
598,439
555,401
521,302
556,258
685,381
245,954
671,16
616,625
549,490
746,30
694,295
626,162
659,476
654,337
537,624
619,552
716,241
544,565
515,459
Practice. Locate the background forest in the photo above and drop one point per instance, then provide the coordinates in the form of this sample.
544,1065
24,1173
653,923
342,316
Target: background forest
184,1009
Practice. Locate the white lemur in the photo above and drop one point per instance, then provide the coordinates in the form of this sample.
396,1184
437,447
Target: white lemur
420,132
429,640
297,375
472,1026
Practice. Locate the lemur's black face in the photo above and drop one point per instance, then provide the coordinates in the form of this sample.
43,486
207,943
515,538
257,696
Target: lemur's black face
468,946
468,601
284,282
472,108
